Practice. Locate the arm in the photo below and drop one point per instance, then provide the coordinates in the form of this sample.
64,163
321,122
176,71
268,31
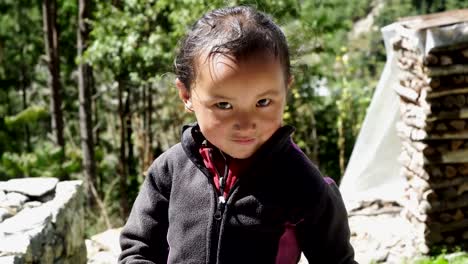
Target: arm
143,238
324,237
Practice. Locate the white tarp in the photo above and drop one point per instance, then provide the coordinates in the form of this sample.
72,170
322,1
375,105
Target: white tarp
373,171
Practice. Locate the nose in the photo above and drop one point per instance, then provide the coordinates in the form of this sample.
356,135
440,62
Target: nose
244,121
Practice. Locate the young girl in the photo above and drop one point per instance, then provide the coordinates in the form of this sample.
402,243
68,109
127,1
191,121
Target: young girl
236,189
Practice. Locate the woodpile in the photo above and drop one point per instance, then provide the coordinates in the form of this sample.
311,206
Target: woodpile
433,92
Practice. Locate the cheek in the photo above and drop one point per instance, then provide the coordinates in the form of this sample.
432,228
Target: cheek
272,117
212,119
210,122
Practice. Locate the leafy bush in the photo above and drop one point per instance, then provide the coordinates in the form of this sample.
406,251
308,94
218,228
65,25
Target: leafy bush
47,160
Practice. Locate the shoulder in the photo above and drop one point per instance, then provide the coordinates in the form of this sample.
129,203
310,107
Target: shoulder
299,164
325,188
174,162
296,175
171,155
163,167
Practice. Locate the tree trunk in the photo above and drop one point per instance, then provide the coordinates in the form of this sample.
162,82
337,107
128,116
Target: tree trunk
122,157
149,151
51,35
85,99
131,169
143,144
85,86
96,132
24,82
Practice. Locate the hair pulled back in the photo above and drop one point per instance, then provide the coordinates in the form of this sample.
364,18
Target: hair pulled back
240,32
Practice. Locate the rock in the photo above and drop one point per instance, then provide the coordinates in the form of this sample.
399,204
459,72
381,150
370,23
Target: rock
69,223
109,240
46,198
381,237
14,199
32,204
7,259
2,196
14,244
103,257
92,248
3,185
104,247
33,187
423,248
380,255
4,214
46,233
26,220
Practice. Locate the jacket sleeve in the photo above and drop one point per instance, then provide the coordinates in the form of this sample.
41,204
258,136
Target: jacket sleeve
325,237
143,238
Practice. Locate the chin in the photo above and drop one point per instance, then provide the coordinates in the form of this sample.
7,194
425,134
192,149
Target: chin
242,155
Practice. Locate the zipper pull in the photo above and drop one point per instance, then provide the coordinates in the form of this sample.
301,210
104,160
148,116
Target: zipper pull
222,184
220,208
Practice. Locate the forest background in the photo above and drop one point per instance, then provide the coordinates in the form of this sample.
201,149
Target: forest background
87,90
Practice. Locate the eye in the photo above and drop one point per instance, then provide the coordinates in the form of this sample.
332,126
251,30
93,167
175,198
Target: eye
223,105
263,102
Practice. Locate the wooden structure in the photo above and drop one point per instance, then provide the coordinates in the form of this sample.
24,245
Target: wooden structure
432,55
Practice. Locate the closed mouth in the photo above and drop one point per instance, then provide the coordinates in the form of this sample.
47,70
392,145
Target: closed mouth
244,141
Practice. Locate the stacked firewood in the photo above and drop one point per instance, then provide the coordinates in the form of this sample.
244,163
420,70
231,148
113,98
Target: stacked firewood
433,92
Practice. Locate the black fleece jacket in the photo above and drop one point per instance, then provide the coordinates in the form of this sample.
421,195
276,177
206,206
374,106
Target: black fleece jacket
173,218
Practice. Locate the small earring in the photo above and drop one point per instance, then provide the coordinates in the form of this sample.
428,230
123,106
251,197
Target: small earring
188,106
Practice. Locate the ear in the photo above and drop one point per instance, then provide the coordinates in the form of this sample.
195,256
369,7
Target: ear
184,93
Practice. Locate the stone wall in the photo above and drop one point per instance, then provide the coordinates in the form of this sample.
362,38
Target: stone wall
433,92
41,221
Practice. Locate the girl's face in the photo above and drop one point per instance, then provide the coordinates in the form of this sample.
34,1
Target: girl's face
238,106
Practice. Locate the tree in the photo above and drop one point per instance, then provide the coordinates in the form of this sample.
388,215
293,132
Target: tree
20,48
51,37
85,86
85,75
134,42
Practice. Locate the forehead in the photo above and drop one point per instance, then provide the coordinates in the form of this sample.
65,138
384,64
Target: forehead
220,67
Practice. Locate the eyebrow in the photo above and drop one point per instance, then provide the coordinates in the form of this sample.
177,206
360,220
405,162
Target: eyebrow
219,97
273,92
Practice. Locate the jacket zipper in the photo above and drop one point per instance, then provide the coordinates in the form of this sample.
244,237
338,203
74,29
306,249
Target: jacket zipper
221,200
220,212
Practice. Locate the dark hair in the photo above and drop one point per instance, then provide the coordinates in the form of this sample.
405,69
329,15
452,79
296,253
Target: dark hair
239,32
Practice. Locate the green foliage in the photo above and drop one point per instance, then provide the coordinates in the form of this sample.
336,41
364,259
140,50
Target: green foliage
461,259
12,128
20,49
437,260
444,259
321,77
29,115
44,161
20,45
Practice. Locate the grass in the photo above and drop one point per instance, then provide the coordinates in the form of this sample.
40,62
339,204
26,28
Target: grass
459,257
455,258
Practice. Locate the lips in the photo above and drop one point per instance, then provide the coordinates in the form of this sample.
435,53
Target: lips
244,141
